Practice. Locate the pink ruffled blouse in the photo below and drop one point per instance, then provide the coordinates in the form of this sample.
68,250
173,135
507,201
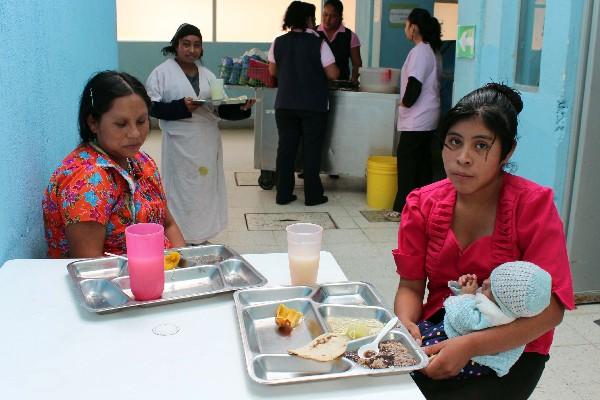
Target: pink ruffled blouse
527,228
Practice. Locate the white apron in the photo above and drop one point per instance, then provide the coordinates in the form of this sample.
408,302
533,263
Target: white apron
192,155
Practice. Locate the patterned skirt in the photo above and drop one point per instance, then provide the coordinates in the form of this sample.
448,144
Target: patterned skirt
434,333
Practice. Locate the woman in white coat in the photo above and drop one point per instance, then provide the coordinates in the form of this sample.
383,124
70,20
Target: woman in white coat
192,150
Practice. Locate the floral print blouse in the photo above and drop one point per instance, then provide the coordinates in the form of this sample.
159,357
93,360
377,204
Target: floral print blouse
90,186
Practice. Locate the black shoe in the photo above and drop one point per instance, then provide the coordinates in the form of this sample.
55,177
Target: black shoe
334,176
322,200
288,201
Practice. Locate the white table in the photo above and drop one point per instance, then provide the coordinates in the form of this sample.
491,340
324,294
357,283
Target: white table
51,347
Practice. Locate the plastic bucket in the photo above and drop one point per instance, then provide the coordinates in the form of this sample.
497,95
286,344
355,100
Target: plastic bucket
382,183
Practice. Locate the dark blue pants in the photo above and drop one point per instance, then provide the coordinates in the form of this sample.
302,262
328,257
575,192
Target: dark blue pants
308,127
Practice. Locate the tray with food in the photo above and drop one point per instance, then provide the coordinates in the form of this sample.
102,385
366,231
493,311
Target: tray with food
102,284
226,100
296,334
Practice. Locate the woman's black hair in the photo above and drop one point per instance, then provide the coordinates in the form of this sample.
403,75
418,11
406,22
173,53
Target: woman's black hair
297,14
337,5
100,92
429,27
497,106
184,29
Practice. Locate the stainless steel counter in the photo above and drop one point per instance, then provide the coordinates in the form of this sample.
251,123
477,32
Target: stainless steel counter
360,125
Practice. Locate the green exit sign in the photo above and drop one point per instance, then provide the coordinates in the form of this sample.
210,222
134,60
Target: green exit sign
465,41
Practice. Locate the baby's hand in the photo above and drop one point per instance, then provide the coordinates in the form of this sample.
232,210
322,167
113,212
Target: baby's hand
468,283
464,279
470,288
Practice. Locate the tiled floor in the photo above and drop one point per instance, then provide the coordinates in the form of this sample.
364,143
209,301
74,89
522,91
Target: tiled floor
362,249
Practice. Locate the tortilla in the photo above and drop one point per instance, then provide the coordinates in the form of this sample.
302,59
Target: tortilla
326,347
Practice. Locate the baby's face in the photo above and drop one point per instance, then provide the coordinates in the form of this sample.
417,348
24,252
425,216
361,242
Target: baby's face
486,289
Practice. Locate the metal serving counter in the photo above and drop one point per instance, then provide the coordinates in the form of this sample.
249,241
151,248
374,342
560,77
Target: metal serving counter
360,125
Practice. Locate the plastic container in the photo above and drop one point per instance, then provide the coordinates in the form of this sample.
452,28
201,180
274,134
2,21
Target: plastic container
304,248
382,183
145,260
217,91
379,80
260,71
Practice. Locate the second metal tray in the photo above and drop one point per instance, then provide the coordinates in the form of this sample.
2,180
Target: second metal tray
266,348
228,100
103,283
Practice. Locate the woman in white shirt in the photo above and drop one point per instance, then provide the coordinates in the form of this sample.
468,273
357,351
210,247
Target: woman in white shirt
419,112
192,151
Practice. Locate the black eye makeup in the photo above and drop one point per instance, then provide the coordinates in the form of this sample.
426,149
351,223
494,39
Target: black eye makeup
452,141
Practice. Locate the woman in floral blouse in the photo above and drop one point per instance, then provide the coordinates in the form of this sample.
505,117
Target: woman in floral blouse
106,183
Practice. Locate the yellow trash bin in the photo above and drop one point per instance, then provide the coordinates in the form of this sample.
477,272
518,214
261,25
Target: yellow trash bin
382,183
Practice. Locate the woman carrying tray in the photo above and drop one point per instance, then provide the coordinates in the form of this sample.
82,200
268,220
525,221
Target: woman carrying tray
472,222
192,151
106,183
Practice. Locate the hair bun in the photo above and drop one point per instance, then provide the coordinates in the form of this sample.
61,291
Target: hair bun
511,94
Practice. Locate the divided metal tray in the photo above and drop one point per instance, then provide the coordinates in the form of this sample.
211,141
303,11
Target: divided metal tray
228,100
103,283
266,348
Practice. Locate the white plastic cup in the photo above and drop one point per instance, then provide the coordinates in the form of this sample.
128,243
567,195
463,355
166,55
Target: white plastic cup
304,247
217,91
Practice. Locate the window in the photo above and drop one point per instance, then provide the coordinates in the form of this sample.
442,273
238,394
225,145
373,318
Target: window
530,41
252,21
261,20
157,20
236,20
447,14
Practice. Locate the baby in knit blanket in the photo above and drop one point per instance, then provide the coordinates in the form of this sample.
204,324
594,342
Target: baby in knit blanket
513,290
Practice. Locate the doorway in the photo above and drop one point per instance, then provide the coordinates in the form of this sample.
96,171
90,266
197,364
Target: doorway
583,201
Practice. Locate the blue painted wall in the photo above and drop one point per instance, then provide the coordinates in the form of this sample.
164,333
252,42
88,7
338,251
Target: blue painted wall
546,120
49,49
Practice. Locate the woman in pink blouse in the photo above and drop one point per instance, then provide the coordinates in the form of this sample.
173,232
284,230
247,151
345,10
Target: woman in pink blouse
471,222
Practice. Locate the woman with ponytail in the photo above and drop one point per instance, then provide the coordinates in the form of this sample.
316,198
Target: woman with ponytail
419,111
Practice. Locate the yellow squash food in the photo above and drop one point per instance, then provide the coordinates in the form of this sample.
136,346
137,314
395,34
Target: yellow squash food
287,318
357,330
171,260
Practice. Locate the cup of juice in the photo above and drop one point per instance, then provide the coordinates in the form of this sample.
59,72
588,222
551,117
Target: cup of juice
145,260
217,91
304,247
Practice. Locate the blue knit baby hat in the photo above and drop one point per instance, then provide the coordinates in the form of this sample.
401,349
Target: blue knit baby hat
520,288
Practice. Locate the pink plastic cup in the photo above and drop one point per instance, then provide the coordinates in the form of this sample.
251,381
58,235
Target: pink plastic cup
145,260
